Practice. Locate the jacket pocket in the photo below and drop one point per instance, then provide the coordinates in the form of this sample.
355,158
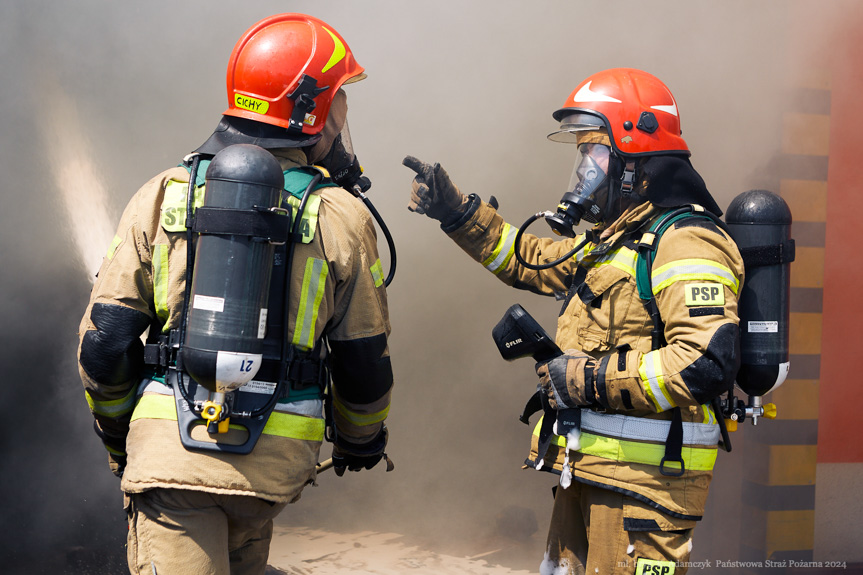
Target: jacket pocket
605,297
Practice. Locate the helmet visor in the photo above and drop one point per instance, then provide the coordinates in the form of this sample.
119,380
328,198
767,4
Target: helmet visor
575,128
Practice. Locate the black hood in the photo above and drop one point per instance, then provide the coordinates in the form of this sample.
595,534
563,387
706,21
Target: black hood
232,130
672,181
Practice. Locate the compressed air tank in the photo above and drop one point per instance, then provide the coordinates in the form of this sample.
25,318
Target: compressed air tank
760,224
227,314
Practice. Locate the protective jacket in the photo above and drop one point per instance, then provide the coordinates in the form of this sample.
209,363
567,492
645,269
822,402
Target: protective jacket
336,290
696,276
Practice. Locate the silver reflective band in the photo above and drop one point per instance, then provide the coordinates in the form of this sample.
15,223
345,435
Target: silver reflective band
503,251
148,385
641,429
306,407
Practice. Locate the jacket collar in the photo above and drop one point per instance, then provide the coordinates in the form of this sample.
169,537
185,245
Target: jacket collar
629,222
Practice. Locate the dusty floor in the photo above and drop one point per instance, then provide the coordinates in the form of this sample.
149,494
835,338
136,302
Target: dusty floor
307,551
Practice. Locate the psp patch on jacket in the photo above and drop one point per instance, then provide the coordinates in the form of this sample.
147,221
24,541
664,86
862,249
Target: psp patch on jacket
705,293
651,567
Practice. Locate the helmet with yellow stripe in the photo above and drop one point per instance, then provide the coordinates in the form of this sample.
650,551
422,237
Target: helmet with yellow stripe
286,70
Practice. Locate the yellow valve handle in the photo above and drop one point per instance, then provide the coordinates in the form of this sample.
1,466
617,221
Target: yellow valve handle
769,411
731,425
212,412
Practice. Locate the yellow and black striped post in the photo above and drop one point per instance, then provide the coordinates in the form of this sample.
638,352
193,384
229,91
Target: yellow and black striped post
779,482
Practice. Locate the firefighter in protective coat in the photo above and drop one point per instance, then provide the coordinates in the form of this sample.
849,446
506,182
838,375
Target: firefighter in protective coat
643,371
206,511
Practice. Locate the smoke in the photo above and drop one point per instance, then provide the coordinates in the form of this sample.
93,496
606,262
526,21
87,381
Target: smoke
105,95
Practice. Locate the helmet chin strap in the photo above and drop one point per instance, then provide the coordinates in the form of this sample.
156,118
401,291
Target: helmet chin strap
620,193
627,179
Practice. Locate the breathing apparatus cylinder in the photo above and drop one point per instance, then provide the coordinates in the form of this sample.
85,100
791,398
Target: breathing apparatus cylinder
227,315
760,224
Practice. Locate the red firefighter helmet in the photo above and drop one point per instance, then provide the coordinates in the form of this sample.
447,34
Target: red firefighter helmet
286,70
636,108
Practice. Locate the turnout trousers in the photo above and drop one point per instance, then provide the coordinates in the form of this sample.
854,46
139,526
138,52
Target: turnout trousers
596,530
177,531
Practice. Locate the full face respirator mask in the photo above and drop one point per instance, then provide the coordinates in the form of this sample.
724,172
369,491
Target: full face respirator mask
345,170
343,165
600,180
587,194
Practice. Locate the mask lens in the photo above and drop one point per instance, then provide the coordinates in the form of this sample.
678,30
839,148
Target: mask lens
590,170
588,184
346,143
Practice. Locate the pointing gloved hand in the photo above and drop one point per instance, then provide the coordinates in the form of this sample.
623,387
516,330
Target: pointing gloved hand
359,456
567,380
433,193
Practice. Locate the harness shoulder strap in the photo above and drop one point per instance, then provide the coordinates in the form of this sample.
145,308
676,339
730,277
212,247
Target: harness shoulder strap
650,242
298,179
646,249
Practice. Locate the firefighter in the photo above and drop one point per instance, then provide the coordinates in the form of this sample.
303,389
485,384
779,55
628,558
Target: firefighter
211,511
634,476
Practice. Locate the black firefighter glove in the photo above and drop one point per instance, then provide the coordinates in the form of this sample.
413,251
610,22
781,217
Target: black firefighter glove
433,193
567,380
359,456
115,443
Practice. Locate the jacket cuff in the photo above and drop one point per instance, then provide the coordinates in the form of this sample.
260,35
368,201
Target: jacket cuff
460,218
618,384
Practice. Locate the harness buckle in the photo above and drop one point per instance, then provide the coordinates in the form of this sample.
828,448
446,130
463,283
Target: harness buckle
670,472
163,353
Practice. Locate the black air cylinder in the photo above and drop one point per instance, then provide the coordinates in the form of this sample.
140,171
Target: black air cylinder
760,223
231,277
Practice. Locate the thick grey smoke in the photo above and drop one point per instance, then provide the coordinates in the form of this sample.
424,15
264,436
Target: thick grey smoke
469,84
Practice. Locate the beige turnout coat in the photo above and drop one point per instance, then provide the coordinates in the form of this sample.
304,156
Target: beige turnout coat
696,277
336,291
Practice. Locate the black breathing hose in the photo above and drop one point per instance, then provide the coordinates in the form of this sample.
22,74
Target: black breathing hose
517,243
390,244
190,260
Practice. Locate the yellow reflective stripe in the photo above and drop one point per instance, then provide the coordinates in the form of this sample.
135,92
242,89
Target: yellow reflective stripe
173,210
338,51
160,281
361,419
653,381
695,458
113,451
622,258
709,416
114,407
503,251
157,406
113,247
558,440
310,214
692,270
377,273
295,426
314,282
583,252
